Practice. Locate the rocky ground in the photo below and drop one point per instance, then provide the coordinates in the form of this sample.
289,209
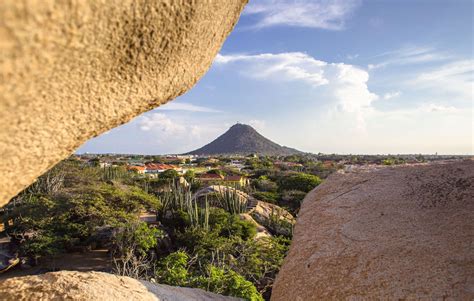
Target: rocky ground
394,233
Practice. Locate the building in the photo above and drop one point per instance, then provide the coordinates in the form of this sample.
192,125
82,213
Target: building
159,168
217,179
154,168
236,180
136,168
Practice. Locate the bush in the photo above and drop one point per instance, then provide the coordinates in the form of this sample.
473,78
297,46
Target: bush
269,197
299,181
264,184
291,199
173,269
227,282
238,228
169,174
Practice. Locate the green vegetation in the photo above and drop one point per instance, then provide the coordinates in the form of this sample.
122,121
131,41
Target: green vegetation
208,242
299,181
202,243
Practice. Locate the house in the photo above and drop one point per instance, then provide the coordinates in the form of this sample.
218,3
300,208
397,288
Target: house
136,168
209,178
217,179
239,165
236,180
153,168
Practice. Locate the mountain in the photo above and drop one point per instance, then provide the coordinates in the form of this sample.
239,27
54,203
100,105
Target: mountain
242,139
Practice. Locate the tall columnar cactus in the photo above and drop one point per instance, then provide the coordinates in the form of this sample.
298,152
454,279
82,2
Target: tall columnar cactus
178,197
232,202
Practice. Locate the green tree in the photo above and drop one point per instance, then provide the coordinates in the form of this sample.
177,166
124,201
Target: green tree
190,175
299,181
169,174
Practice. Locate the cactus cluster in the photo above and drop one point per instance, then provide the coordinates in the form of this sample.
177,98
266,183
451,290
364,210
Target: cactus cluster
178,197
232,202
110,173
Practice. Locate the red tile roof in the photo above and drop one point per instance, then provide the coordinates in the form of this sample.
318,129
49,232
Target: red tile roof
135,167
233,178
210,176
158,166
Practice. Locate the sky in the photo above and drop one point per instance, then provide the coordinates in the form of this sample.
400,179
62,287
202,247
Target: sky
343,76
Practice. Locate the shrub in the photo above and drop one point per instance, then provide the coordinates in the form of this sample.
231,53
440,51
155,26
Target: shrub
173,269
169,174
227,282
299,181
264,184
269,197
239,228
291,199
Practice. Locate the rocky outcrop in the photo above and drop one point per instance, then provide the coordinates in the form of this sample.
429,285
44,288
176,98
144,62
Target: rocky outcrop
262,232
71,70
68,285
404,233
273,217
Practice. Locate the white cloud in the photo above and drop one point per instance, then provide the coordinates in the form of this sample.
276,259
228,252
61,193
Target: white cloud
343,87
408,55
325,14
453,80
284,66
429,108
180,106
177,133
159,122
390,95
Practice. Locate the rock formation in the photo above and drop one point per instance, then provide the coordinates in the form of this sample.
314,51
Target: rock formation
68,285
404,233
71,70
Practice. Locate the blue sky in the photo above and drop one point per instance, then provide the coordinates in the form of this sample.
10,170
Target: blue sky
360,77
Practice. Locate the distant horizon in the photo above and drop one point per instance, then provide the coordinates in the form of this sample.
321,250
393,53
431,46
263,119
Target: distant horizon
347,77
304,152
337,154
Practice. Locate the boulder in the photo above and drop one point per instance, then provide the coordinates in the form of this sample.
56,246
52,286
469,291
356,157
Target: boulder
71,70
273,217
69,285
401,233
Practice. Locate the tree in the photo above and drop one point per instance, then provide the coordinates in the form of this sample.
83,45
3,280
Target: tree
169,174
299,181
190,175
216,172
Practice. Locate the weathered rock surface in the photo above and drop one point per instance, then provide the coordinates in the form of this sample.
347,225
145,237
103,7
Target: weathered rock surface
273,217
68,285
262,232
403,233
70,70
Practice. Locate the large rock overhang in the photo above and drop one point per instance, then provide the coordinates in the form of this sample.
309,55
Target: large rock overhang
71,70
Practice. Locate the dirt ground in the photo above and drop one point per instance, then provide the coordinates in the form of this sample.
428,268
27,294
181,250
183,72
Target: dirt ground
95,260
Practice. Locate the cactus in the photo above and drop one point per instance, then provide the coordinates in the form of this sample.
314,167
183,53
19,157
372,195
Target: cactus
232,202
180,198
